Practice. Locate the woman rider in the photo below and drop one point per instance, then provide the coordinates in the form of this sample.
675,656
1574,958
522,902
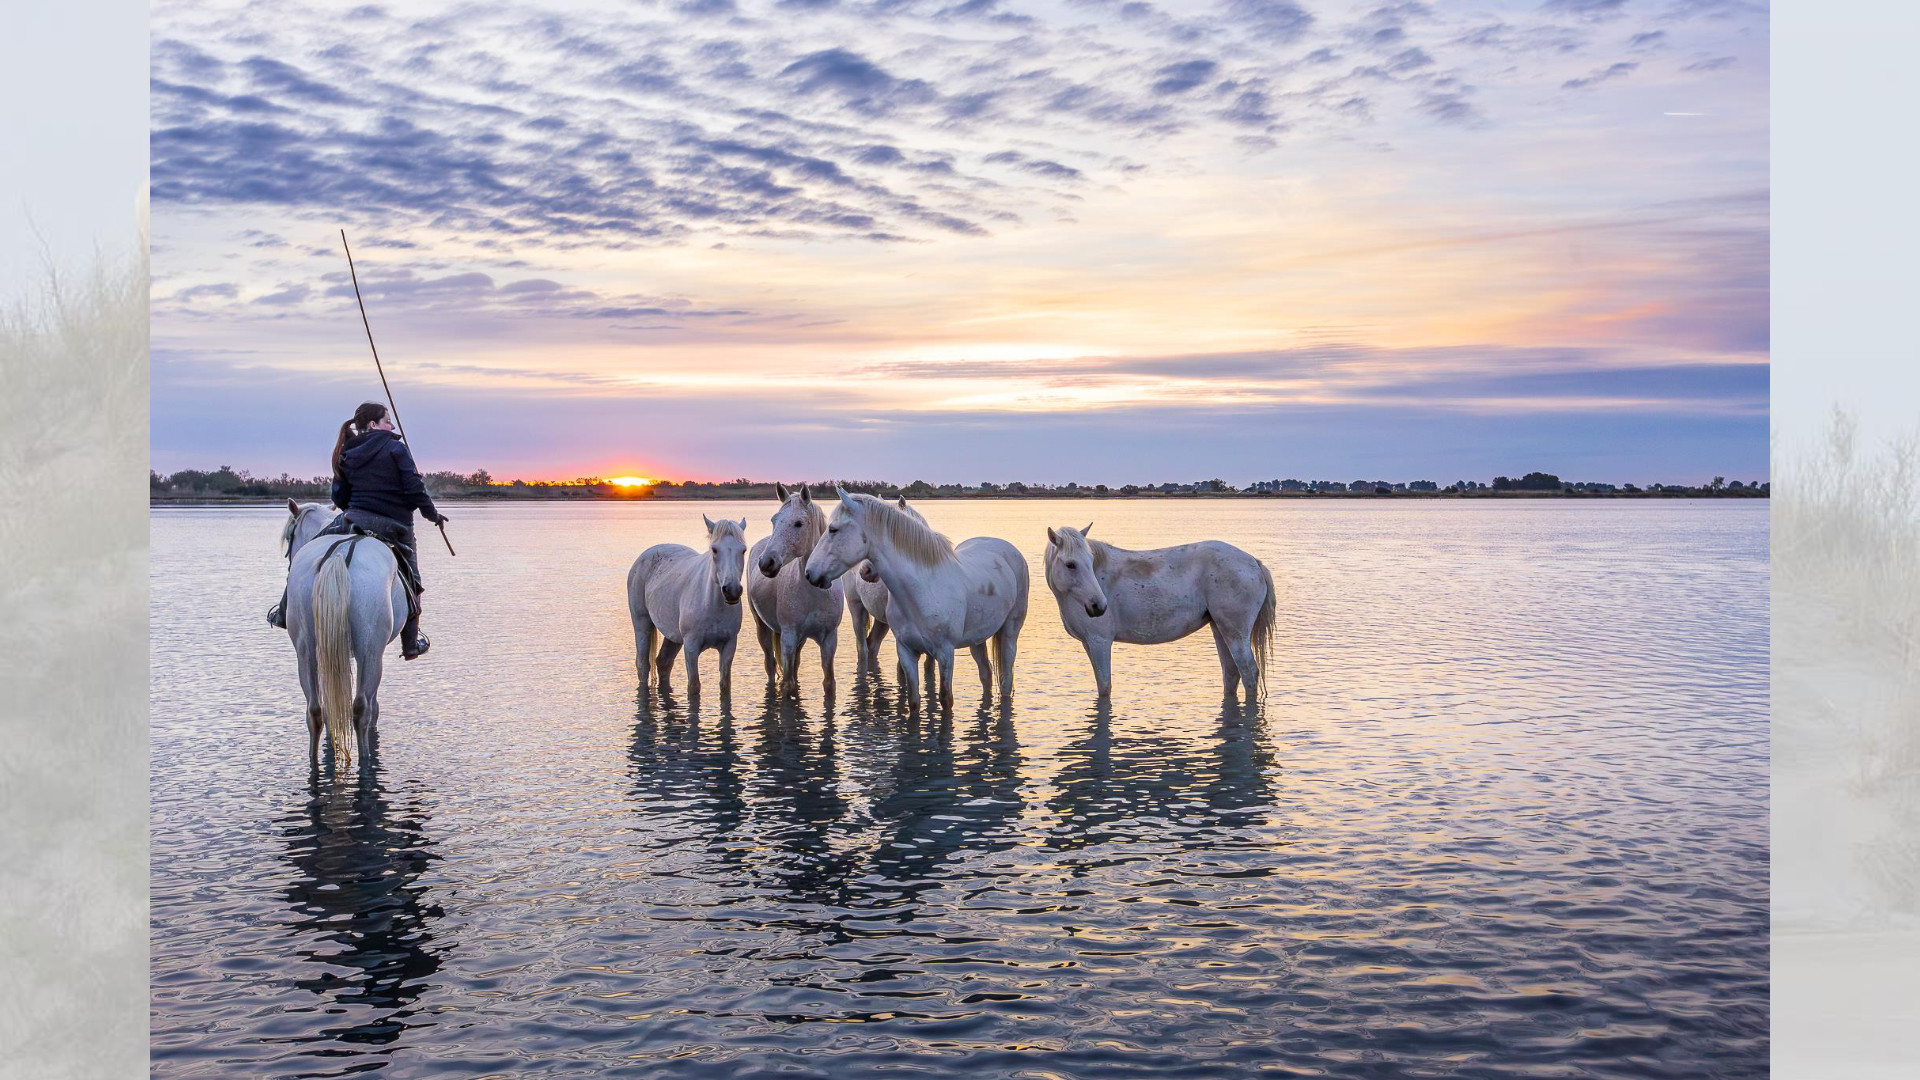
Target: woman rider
376,483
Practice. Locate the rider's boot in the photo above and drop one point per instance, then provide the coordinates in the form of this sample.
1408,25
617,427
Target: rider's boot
413,643
277,614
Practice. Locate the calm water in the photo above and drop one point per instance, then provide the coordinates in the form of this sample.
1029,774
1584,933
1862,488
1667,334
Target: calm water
1503,815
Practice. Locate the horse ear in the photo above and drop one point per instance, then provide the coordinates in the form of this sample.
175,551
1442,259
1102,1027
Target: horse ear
846,499
780,490
1088,529
293,508
707,521
806,496
902,501
1052,537
743,526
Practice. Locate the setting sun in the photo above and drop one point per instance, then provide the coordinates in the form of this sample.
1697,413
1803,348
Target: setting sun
630,481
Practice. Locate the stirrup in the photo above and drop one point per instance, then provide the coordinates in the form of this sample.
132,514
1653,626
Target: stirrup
277,617
409,653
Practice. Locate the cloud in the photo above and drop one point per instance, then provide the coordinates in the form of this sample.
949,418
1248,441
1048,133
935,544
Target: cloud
861,84
1599,75
1184,76
1586,10
1718,63
1274,20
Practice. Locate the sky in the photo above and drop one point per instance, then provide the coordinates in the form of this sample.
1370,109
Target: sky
1105,241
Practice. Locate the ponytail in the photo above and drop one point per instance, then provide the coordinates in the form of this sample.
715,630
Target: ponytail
340,444
363,418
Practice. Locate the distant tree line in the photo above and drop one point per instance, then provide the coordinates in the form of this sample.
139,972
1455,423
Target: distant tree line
228,483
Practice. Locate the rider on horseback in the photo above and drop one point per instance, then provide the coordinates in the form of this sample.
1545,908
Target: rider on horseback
376,483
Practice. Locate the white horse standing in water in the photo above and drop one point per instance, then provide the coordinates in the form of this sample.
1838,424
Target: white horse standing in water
690,599
939,596
786,609
345,603
1110,594
867,602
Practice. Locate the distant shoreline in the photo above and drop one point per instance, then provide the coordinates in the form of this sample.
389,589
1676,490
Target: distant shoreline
749,495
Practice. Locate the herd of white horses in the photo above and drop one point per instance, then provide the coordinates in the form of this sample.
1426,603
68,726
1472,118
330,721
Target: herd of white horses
346,603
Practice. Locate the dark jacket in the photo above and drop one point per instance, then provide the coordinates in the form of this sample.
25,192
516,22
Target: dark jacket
376,474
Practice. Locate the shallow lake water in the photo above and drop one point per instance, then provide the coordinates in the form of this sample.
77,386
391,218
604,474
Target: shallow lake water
1504,813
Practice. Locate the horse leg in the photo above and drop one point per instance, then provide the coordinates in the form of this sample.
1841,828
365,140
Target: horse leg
765,633
663,662
871,643
726,669
985,665
1100,654
1229,670
946,680
829,644
316,720
643,638
861,623
366,700
1241,646
693,667
789,660
909,674
1007,643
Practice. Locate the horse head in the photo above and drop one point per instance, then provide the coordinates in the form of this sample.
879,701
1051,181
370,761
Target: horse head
1070,573
796,525
726,555
844,545
304,522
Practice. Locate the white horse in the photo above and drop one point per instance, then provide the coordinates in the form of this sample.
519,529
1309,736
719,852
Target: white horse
785,607
867,602
1110,594
939,596
691,599
345,603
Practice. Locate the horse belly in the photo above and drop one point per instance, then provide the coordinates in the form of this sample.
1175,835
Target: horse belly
1154,613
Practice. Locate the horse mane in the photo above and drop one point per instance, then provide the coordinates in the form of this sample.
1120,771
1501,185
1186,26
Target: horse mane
1102,551
727,525
905,530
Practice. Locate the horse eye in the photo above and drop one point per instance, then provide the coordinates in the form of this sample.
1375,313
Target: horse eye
1073,566
796,524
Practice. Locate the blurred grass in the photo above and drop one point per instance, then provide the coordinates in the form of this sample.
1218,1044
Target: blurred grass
73,672
1846,537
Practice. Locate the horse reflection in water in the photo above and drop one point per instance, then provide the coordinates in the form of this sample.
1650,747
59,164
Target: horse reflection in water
816,815
358,903
1153,788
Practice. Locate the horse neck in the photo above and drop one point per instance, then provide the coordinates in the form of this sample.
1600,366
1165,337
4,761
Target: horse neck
907,581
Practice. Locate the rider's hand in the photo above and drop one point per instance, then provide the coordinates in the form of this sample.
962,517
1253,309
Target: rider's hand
443,520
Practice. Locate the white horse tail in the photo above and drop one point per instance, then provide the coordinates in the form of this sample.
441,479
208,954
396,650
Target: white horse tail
1263,627
332,652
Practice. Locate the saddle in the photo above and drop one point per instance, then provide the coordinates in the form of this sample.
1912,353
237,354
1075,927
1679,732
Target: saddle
357,523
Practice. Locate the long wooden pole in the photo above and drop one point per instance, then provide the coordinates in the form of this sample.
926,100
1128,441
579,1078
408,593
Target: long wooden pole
391,407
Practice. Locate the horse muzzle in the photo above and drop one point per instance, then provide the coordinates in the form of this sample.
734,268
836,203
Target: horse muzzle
868,574
1096,609
769,567
730,593
816,579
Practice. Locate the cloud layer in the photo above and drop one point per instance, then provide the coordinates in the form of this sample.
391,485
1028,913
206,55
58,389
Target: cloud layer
926,209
